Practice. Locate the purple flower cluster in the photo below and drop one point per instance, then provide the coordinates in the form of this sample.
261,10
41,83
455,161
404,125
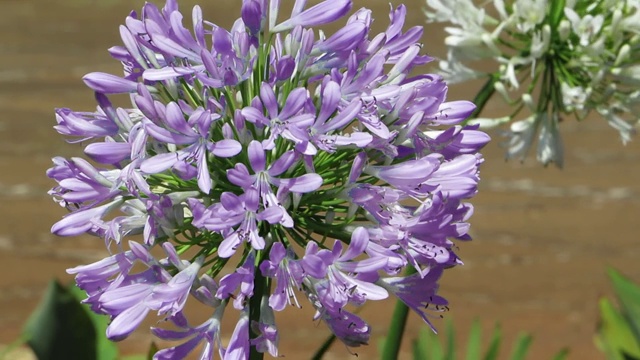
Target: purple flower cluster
317,164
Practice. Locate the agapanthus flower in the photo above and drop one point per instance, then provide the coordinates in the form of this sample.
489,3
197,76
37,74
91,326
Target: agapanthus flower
315,163
553,59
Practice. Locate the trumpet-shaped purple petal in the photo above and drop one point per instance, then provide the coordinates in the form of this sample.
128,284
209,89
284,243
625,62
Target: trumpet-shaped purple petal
241,280
172,296
126,322
418,292
286,271
239,345
348,327
209,332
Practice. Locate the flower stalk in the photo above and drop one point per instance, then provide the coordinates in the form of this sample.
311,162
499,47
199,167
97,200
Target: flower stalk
261,287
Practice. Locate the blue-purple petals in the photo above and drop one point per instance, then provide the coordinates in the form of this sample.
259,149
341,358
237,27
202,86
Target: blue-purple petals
241,150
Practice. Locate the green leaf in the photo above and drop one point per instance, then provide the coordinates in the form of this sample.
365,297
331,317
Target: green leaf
494,347
562,354
521,347
421,346
106,349
437,353
450,353
628,294
615,337
474,346
319,354
426,346
60,328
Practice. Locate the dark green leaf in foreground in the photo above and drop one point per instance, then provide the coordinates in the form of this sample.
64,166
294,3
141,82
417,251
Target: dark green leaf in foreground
60,328
106,349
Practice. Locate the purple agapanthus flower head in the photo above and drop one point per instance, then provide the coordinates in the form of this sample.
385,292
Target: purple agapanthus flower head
248,145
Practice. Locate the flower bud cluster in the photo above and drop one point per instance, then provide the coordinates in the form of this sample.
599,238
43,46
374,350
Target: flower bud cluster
570,57
317,165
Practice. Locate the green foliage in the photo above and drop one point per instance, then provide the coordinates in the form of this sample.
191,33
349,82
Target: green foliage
619,329
428,345
62,328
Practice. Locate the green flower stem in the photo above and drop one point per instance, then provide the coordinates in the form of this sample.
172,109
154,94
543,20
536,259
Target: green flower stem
259,287
324,347
482,97
397,327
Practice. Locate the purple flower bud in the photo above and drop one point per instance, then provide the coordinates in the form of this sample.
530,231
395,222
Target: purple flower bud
253,15
285,68
84,125
108,152
345,39
453,112
109,84
409,173
320,14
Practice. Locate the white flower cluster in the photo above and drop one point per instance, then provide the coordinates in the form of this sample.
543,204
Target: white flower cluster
553,57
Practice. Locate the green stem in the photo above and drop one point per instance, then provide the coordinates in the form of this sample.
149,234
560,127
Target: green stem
397,327
259,287
324,347
482,98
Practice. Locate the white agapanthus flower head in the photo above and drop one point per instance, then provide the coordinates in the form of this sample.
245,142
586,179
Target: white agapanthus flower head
567,57
529,14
